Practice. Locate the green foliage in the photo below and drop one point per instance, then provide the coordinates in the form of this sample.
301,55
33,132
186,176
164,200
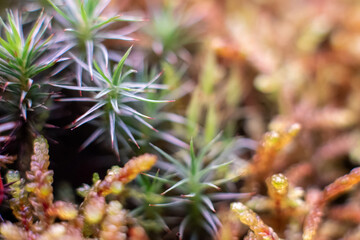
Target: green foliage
85,31
196,177
172,31
203,100
22,59
69,60
114,100
164,121
147,196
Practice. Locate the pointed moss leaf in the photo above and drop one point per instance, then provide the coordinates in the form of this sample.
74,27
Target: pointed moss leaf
208,146
224,180
103,93
83,12
87,119
125,75
114,36
194,160
142,99
90,53
60,67
103,75
127,108
190,195
210,168
104,23
209,219
58,54
112,126
115,105
172,139
178,184
105,53
117,72
170,204
205,225
78,72
128,132
179,168
82,88
92,138
141,85
160,179
59,11
150,82
33,32
76,100
91,110
208,184
159,219
208,203
183,225
83,65
142,121
228,196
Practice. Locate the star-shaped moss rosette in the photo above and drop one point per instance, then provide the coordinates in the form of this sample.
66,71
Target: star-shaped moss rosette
84,29
24,55
115,105
195,177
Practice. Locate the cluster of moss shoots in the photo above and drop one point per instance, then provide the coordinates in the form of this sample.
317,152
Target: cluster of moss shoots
102,216
198,185
39,217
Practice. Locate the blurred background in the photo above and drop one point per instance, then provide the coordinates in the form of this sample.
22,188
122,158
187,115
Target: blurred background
240,67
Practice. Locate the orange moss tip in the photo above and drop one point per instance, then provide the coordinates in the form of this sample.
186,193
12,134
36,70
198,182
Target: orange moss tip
271,139
40,145
271,144
278,184
294,129
135,166
286,134
117,177
254,222
94,210
342,184
280,137
285,127
63,210
40,157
